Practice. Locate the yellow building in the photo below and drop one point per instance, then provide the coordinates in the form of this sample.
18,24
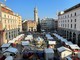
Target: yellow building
29,25
11,24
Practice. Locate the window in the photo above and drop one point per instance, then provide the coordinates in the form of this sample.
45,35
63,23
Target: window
68,15
68,25
6,35
68,20
5,16
9,35
75,26
65,16
75,13
65,25
71,25
75,20
71,20
65,20
71,15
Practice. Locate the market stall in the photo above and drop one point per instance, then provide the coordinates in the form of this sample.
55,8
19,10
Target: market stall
75,48
64,52
9,58
29,37
10,52
49,54
51,44
25,43
5,46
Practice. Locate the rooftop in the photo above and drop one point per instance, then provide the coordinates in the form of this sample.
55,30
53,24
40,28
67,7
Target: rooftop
69,9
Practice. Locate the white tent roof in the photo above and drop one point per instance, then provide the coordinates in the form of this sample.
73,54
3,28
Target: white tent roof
6,45
48,50
19,36
11,49
61,49
9,58
59,37
49,36
69,58
75,46
29,37
25,43
68,43
11,41
52,42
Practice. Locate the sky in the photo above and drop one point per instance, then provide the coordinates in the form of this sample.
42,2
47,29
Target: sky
46,8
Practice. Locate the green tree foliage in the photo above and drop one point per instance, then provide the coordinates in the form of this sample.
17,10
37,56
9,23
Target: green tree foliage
38,26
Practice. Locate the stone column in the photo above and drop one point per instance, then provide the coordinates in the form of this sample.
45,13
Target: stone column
66,34
72,36
76,38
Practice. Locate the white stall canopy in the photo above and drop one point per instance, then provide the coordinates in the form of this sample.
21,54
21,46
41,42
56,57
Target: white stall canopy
52,42
75,46
61,49
64,52
68,43
49,53
24,43
48,50
29,37
9,58
19,37
49,36
11,49
6,45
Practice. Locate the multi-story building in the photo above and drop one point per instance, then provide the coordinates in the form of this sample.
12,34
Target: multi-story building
11,24
48,24
69,24
29,25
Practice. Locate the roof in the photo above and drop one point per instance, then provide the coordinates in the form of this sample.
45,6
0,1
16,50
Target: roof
48,50
70,9
25,42
11,49
9,58
17,38
61,49
5,45
69,58
68,43
59,37
75,46
29,37
52,42
49,36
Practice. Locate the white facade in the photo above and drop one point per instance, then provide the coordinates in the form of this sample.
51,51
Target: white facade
69,24
66,20
48,23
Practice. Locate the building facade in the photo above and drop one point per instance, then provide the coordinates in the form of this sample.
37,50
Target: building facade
69,24
48,24
11,24
29,25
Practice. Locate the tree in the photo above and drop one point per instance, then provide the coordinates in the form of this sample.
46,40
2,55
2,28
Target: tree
38,26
